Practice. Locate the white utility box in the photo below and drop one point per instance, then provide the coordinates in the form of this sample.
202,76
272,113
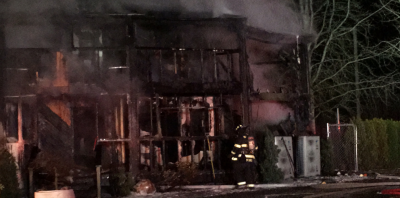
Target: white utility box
285,156
308,156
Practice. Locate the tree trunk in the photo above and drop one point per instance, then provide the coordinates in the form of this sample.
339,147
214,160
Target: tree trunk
356,73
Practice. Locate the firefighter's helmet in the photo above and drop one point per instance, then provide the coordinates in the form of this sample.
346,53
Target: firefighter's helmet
241,129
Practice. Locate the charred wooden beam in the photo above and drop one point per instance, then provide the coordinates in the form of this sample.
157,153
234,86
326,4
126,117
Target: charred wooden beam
122,135
192,142
163,156
190,89
115,140
151,156
55,135
151,116
159,133
180,138
134,153
244,76
188,49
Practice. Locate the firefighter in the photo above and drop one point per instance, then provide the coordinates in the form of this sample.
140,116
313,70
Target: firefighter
243,159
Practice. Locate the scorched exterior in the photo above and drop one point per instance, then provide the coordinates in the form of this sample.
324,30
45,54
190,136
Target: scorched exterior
145,92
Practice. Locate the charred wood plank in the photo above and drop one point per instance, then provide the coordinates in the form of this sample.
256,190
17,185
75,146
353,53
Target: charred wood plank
55,135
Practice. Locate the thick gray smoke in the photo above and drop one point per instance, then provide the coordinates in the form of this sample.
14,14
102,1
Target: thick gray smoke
279,16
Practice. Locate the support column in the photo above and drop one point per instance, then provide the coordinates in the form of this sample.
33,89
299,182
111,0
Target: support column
98,180
159,132
122,130
244,75
20,138
31,193
133,135
20,156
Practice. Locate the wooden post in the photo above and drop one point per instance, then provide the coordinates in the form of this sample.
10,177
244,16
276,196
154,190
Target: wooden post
151,152
98,168
192,150
117,132
20,138
215,66
219,154
180,130
205,154
244,75
163,155
134,150
151,116
159,133
20,155
122,130
179,144
55,179
30,182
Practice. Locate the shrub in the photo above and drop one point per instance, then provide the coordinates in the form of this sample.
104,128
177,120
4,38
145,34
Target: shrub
381,140
372,155
270,173
379,143
8,175
363,148
326,157
393,143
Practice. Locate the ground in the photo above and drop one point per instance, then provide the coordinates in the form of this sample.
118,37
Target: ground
338,186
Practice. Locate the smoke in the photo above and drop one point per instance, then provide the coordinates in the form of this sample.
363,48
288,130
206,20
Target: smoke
271,113
279,16
271,15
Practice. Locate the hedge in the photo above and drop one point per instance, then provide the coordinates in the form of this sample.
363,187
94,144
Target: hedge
378,144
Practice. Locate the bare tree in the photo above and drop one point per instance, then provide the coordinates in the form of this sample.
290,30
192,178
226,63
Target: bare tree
350,68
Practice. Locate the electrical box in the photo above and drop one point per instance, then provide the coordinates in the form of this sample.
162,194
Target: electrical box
308,156
285,156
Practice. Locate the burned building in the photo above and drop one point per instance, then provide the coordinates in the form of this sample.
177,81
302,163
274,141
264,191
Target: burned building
145,92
